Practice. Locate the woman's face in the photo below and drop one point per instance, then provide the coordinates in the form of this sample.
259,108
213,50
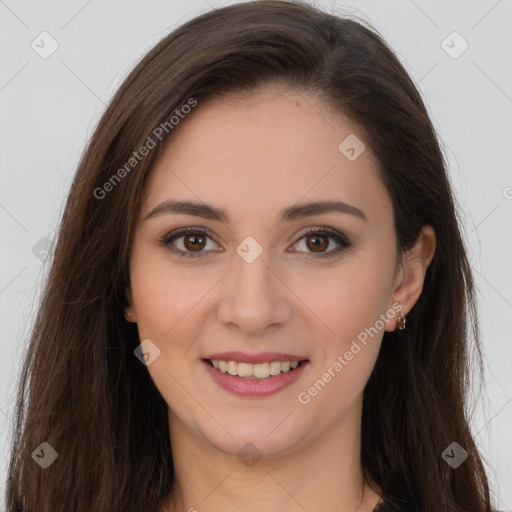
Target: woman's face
257,288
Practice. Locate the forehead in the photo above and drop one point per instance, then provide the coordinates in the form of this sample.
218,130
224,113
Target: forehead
263,152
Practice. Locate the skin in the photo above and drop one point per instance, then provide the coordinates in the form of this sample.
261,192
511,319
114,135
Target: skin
254,156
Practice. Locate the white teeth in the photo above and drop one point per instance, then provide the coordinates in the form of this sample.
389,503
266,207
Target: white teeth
261,370
244,370
275,368
232,367
254,371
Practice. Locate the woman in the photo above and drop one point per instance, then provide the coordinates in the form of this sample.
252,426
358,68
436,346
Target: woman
260,298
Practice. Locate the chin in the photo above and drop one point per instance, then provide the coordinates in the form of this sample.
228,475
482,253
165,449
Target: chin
263,436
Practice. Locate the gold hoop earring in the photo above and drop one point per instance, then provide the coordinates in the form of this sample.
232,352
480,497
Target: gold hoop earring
402,320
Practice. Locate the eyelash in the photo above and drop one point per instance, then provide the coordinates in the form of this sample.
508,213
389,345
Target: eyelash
339,238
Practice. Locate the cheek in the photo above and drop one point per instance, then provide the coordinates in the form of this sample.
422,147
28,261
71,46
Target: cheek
349,298
170,313
348,340
165,298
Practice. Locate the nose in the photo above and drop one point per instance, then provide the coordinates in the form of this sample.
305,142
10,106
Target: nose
255,299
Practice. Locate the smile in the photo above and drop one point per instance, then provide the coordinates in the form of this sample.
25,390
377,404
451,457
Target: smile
254,380
254,371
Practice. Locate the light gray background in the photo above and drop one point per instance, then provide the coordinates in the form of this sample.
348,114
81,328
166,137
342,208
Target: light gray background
50,107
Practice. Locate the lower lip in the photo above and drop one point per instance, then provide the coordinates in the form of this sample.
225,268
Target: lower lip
255,387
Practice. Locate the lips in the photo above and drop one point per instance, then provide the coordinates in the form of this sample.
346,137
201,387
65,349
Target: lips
255,375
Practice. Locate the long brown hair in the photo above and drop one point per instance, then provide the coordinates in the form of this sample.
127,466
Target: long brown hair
84,392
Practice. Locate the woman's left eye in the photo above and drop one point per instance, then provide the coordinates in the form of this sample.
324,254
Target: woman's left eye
192,242
319,239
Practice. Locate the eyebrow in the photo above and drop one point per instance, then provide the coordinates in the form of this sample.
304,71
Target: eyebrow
288,214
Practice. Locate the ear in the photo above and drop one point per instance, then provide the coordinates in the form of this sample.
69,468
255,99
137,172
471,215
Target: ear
129,312
411,271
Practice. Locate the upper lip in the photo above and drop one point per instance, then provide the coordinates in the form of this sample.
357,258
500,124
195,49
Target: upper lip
261,357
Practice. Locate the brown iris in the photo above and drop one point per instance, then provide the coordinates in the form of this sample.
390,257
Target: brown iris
194,241
317,245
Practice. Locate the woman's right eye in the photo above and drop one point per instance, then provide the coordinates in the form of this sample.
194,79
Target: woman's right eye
188,243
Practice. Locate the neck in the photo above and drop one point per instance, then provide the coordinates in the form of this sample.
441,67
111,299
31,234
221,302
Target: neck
323,476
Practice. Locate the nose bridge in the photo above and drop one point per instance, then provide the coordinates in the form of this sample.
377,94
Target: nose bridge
254,298
253,278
